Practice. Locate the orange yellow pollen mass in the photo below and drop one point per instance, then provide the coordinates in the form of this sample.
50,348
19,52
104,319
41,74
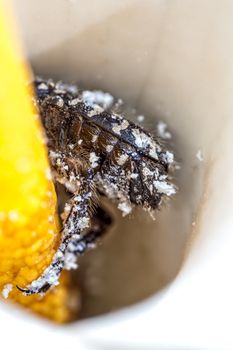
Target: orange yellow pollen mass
28,223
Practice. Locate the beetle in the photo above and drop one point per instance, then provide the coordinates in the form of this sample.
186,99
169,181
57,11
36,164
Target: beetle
95,151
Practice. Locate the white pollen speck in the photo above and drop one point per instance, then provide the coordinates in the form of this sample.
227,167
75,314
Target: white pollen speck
153,153
80,142
168,157
59,254
52,278
144,141
97,97
6,290
83,223
74,102
109,148
95,111
147,172
124,124
60,102
164,187
42,86
59,162
70,261
77,198
125,207
162,131
54,155
134,176
117,128
93,159
50,218
199,155
138,137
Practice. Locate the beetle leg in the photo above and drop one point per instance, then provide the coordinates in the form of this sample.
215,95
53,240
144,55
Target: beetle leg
73,243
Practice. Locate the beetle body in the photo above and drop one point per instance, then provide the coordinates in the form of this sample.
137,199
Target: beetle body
92,151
